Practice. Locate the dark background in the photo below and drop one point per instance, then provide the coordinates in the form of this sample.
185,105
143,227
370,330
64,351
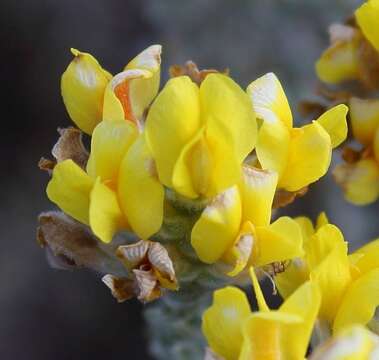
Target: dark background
51,314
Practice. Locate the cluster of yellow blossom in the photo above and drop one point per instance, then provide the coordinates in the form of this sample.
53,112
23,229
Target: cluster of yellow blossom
206,141
203,140
330,297
325,289
354,56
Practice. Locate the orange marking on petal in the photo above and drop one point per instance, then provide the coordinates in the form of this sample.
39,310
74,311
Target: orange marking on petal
122,93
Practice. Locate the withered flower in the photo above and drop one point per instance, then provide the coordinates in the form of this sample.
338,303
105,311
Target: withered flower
151,268
68,146
73,245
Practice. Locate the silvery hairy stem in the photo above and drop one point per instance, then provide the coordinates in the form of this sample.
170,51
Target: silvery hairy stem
174,321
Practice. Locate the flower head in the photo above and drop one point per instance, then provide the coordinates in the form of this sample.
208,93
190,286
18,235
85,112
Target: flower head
359,175
354,50
91,94
300,156
112,110
235,227
344,280
199,136
89,195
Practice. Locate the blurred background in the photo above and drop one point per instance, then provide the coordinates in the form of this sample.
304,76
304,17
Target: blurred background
51,314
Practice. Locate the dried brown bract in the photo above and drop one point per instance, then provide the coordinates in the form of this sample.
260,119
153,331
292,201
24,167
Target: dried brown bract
283,197
368,65
68,146
312,109
151,266
190,69
73,244
122,288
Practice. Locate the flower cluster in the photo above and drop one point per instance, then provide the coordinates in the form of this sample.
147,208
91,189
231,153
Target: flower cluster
354,56
354,50
202,144
180,184
330,297
179,187
321,292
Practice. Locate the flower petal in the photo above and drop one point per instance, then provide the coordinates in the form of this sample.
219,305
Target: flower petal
321,220
262,305
273,147
333,277
296,273
239,254
140,193
70,189
365,292
130,92
173,119
257,191
226,169
322,243
367,18
192,172
364,116
369,256
282,240
205,167
306,226
355,343
309,157
222,322
265,336
109,143
334,122
83,85
269,100
218,226
105,216
304,302
339,62
226,111
359,181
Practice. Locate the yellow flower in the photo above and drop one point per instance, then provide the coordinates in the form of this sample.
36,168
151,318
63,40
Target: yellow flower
360,180
353,343
299,155
234,332
367,18
344,280
344,59
89,196
340,62
325,261
235,227
199,136
140,193
91,94
297,272
119,190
